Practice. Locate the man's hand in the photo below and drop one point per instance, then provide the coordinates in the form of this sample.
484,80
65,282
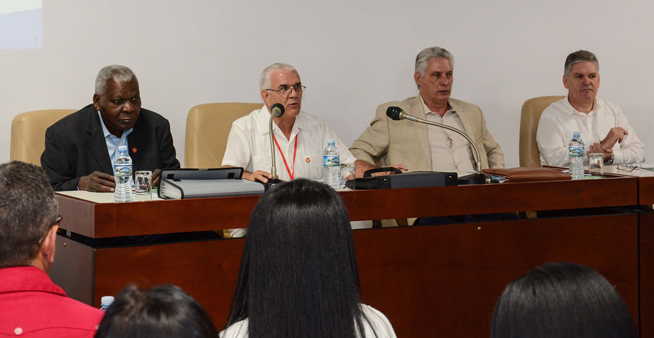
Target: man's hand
360,167
257,176
156,177
615,135
598,148
97,181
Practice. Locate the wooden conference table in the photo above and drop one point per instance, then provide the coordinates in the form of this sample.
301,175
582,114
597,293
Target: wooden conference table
430,281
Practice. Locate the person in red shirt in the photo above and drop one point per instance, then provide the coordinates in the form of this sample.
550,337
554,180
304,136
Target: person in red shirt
31,304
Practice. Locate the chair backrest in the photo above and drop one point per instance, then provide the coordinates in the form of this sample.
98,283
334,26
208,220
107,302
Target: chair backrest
207,128
531,111
28,133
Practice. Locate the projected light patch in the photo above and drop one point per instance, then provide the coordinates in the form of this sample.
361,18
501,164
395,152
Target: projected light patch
20,24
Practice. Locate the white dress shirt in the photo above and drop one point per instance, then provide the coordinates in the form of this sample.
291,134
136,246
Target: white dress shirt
450,152
248,145
561,119
113,141
376,320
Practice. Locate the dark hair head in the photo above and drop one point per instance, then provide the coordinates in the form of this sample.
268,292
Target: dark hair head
298,272
163,311
27,210
561,300
579,56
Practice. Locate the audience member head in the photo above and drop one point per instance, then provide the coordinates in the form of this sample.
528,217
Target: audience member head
280,83
29,216
581,77
117,98
298,273
434,76
561,300
163,311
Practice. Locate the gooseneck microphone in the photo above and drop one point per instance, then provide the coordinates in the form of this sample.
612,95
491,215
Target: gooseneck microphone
277,110
396,113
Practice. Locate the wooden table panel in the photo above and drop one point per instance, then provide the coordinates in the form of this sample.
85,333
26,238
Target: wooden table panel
646,191
646,239
430,281
160,217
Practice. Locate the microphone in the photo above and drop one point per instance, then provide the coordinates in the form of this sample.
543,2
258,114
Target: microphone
277,110
396,113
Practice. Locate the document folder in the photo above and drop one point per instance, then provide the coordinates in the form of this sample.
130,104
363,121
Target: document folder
195,183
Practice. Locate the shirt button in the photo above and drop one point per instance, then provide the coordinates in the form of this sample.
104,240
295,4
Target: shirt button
18,331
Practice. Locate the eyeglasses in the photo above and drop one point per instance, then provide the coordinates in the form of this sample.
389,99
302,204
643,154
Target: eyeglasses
286,89
57,221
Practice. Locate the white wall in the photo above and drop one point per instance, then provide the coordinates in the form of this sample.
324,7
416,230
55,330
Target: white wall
352,55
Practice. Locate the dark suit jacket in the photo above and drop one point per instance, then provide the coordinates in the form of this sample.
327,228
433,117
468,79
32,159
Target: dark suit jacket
75,146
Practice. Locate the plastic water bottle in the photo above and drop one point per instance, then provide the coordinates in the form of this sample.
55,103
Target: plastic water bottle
331,165
123,175
576,154
105,302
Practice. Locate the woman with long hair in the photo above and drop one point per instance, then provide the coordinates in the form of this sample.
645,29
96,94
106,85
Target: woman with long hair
561,300
299,274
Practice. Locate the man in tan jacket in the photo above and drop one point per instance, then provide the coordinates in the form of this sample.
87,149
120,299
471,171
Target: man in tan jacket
415,147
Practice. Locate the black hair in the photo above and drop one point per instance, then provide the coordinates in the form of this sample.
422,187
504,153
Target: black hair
163,311
299,274
561,300
27,211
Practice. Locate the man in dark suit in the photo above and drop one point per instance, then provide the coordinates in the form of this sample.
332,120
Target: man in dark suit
81,147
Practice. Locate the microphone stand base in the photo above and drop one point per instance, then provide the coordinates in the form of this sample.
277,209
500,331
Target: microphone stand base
476,178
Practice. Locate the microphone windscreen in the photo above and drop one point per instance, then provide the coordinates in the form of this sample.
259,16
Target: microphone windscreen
277,110
394,112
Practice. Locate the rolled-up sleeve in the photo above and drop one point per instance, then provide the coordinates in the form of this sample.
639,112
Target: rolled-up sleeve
237,150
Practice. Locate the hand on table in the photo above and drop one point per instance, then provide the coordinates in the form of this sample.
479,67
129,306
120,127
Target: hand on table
257,176
97,181
360,167
156,177
598,148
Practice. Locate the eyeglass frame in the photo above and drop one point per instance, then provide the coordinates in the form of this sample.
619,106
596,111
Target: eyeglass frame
56,222
286,89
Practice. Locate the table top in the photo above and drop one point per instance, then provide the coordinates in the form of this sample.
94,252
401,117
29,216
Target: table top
94,215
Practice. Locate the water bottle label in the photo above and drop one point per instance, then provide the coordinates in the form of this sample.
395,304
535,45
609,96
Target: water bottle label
331,161
576,151
123,172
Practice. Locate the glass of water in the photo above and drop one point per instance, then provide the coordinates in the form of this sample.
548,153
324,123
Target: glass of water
596,163
142,181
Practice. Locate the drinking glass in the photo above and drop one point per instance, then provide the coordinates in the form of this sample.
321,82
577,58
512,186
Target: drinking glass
596,162
142,181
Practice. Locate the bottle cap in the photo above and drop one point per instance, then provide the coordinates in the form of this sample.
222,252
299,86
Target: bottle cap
106,300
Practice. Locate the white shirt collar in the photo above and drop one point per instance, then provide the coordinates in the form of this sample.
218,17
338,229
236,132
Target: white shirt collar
106,131
263,118
572,110
426,110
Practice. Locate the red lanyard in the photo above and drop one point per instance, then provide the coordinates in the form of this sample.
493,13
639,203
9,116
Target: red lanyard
290,171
